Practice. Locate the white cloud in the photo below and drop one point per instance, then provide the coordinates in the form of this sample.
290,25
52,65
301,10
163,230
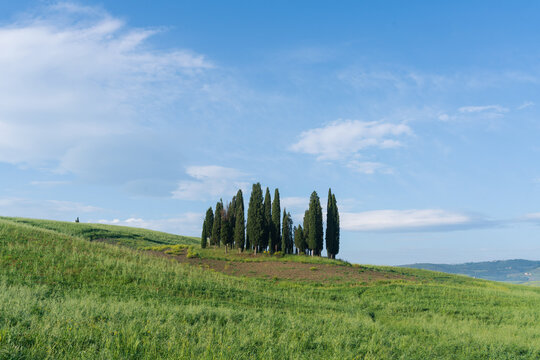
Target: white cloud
533,217
444,117
369,167
493,109
525,105
73,75
188,224
343,138
212,182
406,220
213,172
467,113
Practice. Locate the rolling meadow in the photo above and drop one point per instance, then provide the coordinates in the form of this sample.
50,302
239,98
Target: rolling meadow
105,292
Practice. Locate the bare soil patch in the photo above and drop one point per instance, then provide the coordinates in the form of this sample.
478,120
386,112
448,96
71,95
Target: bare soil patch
287,270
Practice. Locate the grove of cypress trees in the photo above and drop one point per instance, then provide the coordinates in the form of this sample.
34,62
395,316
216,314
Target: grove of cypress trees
275,243
216,227
239,227
267,219
255,218
264,227
287,234
315,225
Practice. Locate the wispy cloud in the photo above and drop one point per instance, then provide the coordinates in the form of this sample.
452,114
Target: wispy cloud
343,138
485,108
532,217
525,105
409,220
211,182
473,112
74,77
393,79
369,167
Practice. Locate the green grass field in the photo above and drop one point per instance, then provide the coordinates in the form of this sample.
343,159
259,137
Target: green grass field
69,291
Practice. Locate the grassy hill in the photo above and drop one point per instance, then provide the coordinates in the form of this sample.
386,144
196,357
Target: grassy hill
70,291
514,271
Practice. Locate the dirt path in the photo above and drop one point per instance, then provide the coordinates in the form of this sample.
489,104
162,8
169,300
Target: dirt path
289,270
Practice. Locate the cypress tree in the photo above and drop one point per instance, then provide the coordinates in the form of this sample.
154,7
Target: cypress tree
267,219
255,218
231,215
294,231
209,221
330,225
315,225
239,227
203,235
226,226
306,227
287,238
336,227
216,227
275,243
299,240
207,227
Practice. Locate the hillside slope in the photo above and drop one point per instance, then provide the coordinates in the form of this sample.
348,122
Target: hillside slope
516,271
63,296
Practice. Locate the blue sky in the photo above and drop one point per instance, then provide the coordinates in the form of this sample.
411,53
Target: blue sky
423,118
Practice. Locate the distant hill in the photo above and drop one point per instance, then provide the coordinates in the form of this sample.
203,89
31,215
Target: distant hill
516,271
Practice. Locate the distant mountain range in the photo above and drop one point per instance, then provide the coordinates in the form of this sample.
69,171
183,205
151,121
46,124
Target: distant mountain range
514,271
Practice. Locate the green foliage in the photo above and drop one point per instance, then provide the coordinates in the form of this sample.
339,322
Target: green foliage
267,220
207,227
275,243
169,249
239,227
248,257
306,227
287,243
227,225
192,253
315,225
204,238
299,240
336,226
216,227
332,226
64,297
255,219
